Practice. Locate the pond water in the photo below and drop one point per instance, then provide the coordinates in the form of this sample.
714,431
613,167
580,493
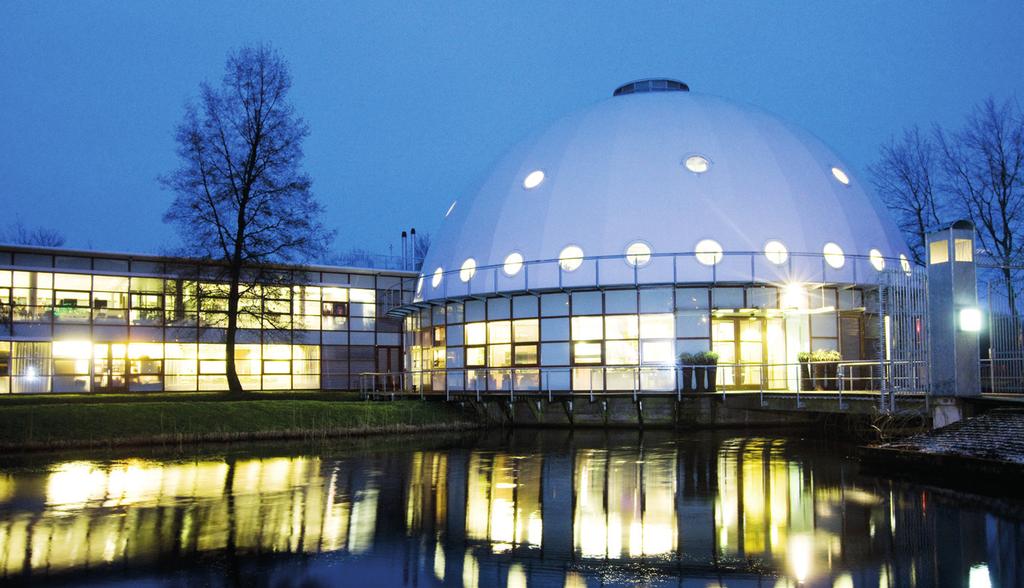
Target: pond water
525,509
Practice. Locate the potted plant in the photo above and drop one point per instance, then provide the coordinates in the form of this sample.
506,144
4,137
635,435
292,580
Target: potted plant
826,366
806,378
686,362
706,370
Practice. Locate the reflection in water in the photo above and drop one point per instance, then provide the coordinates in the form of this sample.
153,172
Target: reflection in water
738,511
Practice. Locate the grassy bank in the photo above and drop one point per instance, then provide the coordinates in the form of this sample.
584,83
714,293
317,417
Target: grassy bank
79,424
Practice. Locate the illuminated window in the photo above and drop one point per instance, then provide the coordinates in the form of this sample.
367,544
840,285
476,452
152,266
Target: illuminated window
621,353
499,332
776,252
876,259
586,352
938,252
834,255
905,264
586,328
501,355
658,352
841,176
657,326
450,208
476,333
526,330
476,356
638,254
468,270
533,179
513,263
621,327
962,250
526,355
435,281
571,258
709,252
697,164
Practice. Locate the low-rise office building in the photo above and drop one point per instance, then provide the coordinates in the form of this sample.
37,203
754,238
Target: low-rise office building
80,321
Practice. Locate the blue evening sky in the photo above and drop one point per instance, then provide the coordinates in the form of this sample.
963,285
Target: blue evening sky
410,103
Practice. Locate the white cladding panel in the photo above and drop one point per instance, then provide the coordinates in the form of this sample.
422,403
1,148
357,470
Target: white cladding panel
614,174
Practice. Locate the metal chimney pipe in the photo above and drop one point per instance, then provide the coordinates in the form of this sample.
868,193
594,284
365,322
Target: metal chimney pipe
405,252
412,234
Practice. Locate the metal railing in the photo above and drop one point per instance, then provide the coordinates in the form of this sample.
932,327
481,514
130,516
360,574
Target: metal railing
1002,375
817,379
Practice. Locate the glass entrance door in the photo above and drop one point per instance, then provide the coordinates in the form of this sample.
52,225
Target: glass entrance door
743,344
110,367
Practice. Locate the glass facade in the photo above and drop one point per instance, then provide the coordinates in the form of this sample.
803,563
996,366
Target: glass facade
73,322
631,338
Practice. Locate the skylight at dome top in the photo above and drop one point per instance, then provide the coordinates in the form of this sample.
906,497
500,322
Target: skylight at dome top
669,168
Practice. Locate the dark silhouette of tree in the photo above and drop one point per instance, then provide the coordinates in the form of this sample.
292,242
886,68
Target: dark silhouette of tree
241,197
17,233
983,163
905,177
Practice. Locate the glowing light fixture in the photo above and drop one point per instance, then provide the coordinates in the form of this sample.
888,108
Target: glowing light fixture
776,252
468,270
834,255
970,319
451,208
794,296
533,179
709,252
697,164
841,176
513,263
876,259
435,281
905,264
571,258
638,254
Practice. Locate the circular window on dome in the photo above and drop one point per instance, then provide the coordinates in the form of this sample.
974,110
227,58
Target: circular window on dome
905,264
533,179
776,252
834,255
841,176
709,252
513,263
571,258
435,280
638,254
451,208
876,259
468,270
698,164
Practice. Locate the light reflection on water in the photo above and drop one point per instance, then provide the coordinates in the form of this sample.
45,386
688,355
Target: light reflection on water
537,509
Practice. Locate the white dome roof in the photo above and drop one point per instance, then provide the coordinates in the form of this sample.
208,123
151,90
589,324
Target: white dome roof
614,174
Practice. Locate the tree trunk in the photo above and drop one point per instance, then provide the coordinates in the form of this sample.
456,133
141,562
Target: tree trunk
234,384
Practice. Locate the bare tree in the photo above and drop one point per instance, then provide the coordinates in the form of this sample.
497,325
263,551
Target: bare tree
19,234
984,170
906,178
241,197
420,250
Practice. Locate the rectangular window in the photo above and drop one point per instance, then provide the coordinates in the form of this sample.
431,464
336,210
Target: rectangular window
554,329
526,330
586,303
499,332
586,353
586,328
476,356
621,327
620,301
656,300
657,326
500,355
524,306
938,252
476,333
526,355
554,304
554,354
621,353
963,250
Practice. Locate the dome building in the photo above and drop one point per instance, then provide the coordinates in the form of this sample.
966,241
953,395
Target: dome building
656,223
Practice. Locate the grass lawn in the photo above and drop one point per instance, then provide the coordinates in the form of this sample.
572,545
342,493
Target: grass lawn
55,425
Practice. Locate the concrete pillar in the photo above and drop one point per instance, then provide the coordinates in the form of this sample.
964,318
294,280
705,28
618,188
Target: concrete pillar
954,368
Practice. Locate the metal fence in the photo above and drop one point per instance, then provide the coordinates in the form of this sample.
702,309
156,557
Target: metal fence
1002,371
